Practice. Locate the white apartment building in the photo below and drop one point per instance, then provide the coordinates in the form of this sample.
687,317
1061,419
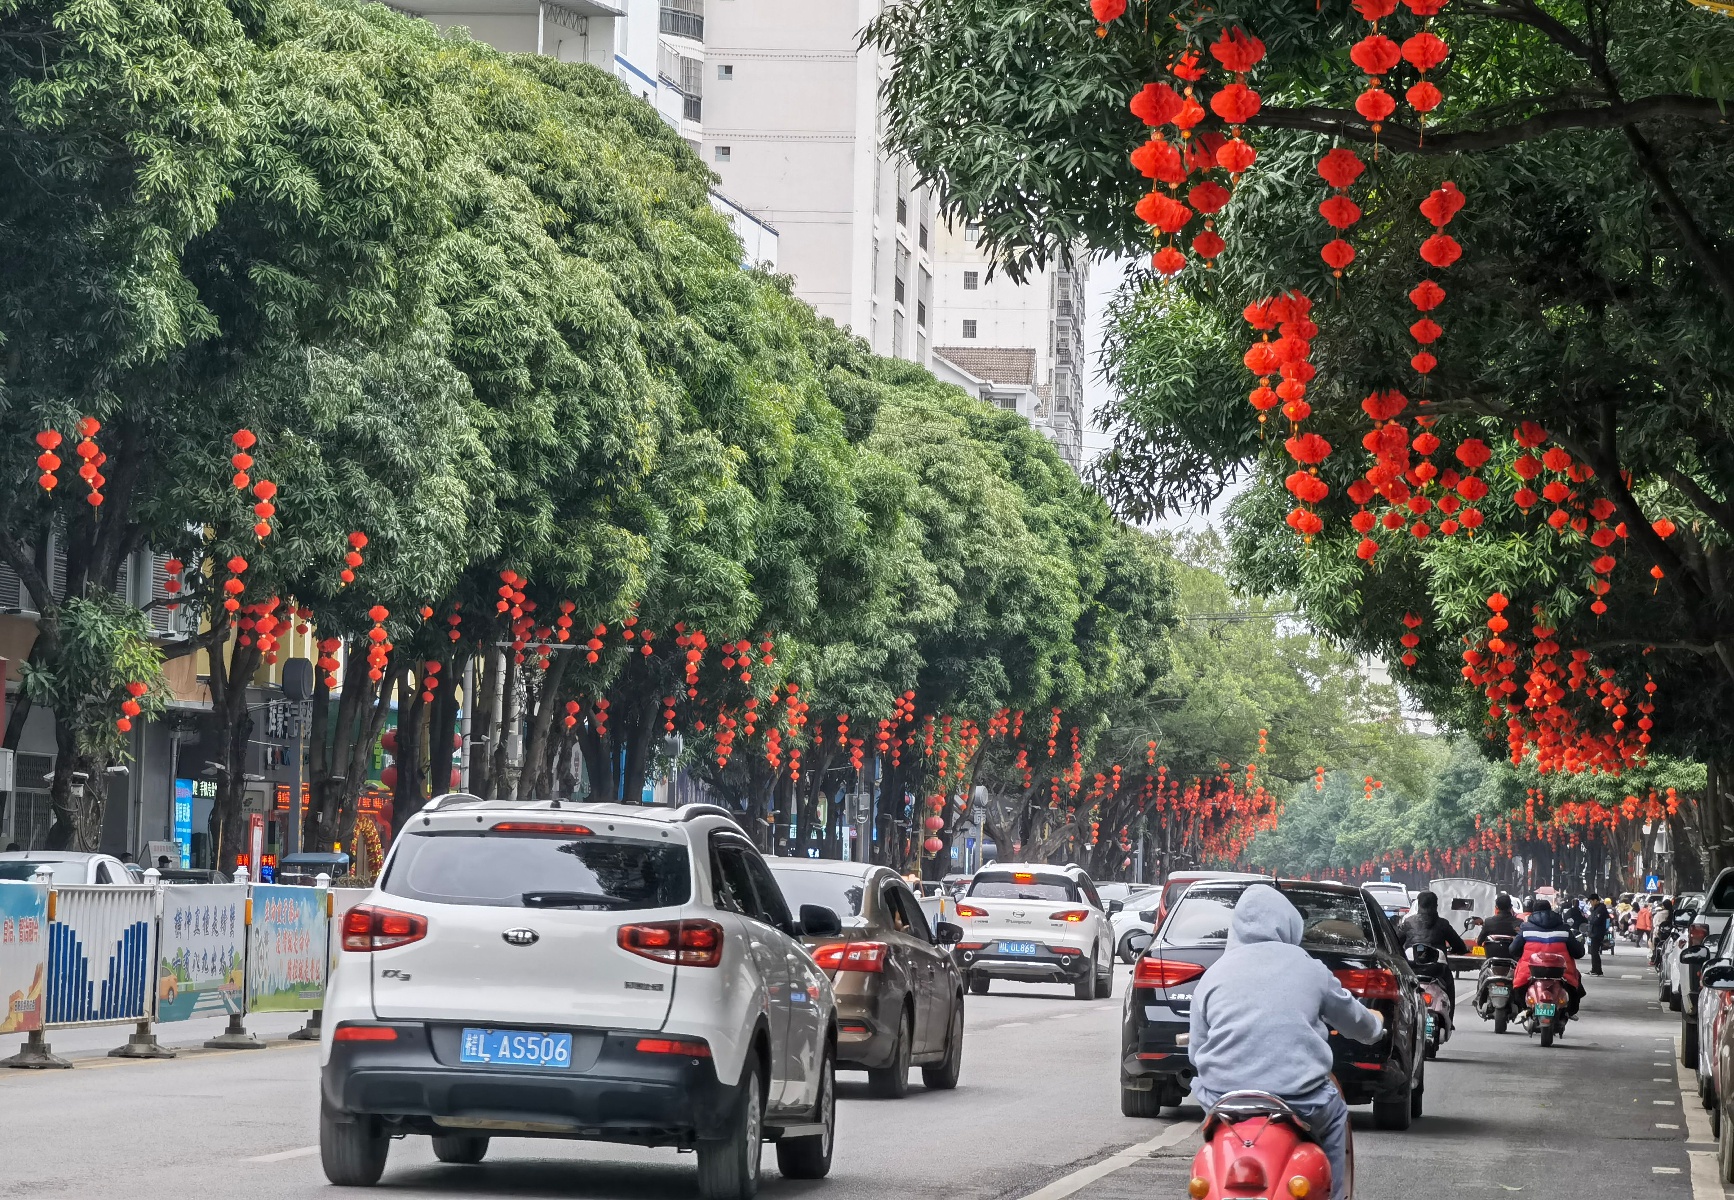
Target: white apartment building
792,127
1018,345
655,47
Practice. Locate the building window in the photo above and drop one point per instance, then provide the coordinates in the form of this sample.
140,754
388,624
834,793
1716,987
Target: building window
897,291
971,280
725,71
902,211
683,18
921,314
692,108
972,230
921,238
722,153
969,329
897,350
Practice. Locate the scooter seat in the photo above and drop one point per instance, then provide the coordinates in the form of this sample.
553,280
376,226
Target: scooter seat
1235,1107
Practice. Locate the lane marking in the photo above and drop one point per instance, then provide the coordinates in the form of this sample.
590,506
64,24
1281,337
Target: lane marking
283,1155
1013,1025
1066,1185
1665,1125
1665,1170
1705,1175
1669,1103
1062,1016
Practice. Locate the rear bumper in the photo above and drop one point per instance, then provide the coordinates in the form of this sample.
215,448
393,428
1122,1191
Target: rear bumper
1050,964
867,1027
623,1096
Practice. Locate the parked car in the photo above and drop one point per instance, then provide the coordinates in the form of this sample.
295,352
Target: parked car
1037,924
1714,915
1714,1009
305,868
1345,929
1671,970
68,867
590,971
899,994
191,875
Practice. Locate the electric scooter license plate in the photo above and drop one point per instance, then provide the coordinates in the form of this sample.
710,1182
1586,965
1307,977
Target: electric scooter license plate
1499,993
1430,1024
1544,1010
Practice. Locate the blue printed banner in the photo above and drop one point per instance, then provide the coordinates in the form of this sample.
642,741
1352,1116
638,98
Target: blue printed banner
201,960
101,948
286,949
23,955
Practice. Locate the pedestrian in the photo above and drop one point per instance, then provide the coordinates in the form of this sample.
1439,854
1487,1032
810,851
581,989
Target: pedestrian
1598,931
1642,918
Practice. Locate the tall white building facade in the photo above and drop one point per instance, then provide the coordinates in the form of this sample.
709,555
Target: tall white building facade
792,128
1018,345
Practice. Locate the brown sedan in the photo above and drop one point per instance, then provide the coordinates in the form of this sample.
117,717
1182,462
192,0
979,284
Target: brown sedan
899,995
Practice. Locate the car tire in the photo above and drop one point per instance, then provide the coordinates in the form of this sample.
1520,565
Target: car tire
1134,1103
977,984
942,1076
1105,983
810,1157
728,1167
1725,1152
1418,1093
1392,1112
1689,1042
891,1082
1675,1003
463,1148
351,1148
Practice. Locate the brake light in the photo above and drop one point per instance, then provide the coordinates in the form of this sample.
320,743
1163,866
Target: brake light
364,1033
970,910
1164,972
1073,915
853,956
669,1046
1022,877
1246,1174
1371,983
678,943
557,827
370,927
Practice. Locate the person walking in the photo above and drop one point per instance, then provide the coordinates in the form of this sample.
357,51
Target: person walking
1598,931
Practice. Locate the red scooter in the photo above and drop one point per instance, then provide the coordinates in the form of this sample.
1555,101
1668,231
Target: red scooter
1545,1001
1256,1145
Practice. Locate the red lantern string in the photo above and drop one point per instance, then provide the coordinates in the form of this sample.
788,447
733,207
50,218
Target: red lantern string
1340,168
352,558
48,462
90,470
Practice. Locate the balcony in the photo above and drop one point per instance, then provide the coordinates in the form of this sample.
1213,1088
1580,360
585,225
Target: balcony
683,18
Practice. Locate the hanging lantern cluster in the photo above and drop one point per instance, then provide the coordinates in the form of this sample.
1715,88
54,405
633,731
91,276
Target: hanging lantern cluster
130,707
90,470
1340,168
234,586
379,649
48,462
327,664
352,558
1410,639
430,679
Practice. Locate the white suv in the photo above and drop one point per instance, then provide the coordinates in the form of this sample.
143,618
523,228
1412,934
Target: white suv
1037,923
597,971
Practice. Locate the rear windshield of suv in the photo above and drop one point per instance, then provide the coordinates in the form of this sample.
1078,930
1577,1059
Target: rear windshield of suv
1330,920
539,870
840,893
1024,885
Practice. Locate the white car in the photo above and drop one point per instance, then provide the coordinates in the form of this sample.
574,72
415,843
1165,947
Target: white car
596,971
68,867
1135,924
1037,924
1394,898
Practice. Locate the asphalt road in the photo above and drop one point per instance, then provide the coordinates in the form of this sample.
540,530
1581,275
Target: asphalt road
1598,1116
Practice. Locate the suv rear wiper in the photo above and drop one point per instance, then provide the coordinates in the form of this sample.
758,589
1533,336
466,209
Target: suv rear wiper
571,900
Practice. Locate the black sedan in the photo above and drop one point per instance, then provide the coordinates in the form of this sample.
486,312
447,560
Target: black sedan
1345,929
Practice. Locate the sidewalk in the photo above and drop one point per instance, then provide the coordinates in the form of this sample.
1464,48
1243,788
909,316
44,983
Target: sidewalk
90,1042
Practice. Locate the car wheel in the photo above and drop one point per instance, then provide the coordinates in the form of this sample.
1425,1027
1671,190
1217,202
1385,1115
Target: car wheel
460,1148
1715,1118
810,1157
1725,1152
1419,1091
1105,983
977,984
728,1167
1134,1103
891,1082
1392,1113
1675,1004
1085,986
351,1148
942,1077
1689,1042
1128,954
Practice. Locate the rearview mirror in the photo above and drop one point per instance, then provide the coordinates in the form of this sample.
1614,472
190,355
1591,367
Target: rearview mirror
1115,906
819,921
1139,941
1693,954
947,934
1148,916
1718,975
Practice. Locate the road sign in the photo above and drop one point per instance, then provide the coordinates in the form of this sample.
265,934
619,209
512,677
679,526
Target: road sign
1652,883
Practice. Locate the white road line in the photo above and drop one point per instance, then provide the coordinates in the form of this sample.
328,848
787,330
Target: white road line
1061,1016
1065,1185
284,1155
1013,1025
1665,1170
1669,1103
1665,1125
1706,1178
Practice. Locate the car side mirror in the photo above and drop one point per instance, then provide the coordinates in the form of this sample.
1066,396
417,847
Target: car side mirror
1694,954
819,921
1139,941
947,934
1115,906
1718,975
1148,916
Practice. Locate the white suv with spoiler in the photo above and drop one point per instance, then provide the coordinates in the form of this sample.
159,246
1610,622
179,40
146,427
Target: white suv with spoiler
1038,924
597,971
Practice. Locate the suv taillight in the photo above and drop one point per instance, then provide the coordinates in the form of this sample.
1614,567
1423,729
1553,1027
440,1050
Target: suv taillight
678,943
970,910
1072,915
370,927
853,956
1163,972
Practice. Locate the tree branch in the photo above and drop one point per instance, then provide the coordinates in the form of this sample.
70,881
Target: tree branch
1698,240
1346,123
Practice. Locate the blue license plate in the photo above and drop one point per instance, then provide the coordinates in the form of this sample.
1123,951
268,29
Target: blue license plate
1023,948
1544,1010
1429,1024
516,1048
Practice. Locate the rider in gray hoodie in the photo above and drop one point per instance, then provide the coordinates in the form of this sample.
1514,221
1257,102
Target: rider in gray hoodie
1261,1017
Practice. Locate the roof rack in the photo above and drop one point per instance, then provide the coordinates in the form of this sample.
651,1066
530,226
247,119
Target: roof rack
451,800
689,812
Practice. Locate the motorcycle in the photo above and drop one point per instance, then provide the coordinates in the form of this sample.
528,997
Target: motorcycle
1545,1002
1493,985
1256,1145
1440,1017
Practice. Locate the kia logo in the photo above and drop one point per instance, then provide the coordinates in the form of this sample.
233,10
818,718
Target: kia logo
520,937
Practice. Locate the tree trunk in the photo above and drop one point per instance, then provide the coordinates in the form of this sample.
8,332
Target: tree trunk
535,766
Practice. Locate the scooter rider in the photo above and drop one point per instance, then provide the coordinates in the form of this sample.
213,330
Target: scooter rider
1503,923
1545,932
1259,1023
1425,927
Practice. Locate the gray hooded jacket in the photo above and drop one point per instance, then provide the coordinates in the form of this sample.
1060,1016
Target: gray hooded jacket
1260,1013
